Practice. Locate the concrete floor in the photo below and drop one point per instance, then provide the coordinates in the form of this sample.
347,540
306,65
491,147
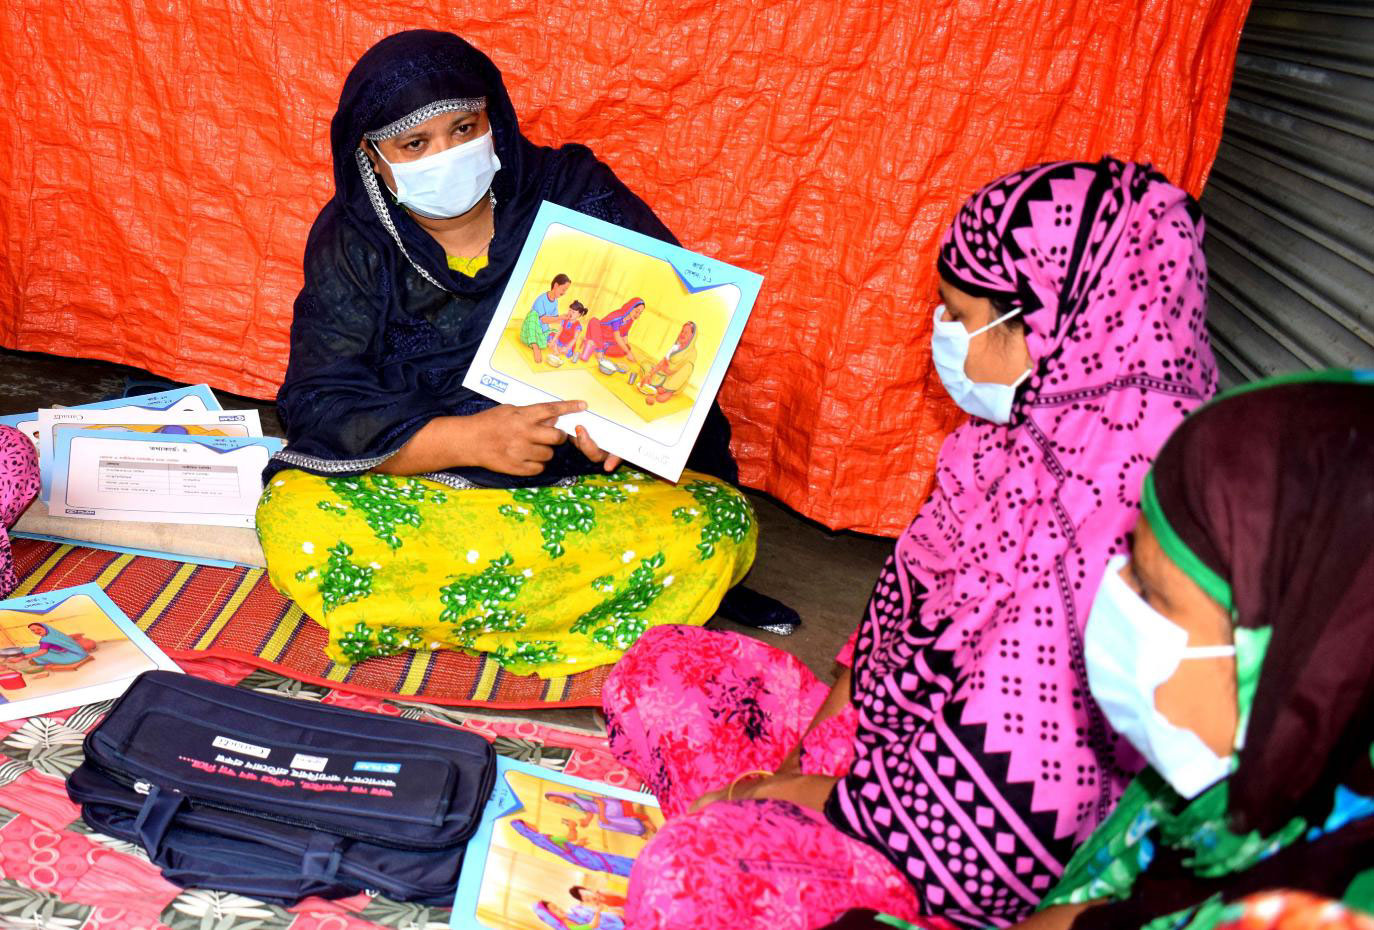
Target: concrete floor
825,576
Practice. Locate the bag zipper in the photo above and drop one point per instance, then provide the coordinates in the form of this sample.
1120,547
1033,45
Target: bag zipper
143,788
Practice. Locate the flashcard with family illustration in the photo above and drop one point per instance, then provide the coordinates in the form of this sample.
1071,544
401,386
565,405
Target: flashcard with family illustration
641,330
552,851
66,648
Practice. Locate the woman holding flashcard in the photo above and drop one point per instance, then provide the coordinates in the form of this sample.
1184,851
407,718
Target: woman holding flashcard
410,513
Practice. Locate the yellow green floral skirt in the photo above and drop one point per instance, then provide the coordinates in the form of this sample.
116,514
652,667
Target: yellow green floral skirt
549,581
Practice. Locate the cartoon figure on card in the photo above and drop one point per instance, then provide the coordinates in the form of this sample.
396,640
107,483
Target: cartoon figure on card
535,331
603,900
610,813
55,651
580,917
672,373
565,340
609,337
564,848
56,648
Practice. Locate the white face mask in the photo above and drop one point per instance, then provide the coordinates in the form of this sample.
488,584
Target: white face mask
949,349
448,183
1131,649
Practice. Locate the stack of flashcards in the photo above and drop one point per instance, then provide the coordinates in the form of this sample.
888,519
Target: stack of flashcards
172,457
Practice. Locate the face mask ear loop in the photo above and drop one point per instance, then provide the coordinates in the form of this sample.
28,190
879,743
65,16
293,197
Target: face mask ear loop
1210,652
997,322
378,149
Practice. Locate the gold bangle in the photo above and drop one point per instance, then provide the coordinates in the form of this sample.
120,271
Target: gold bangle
730,792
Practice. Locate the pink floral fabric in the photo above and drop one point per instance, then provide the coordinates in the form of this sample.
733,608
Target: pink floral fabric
18,485
689,710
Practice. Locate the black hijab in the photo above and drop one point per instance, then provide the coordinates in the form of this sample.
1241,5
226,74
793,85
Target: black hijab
383,331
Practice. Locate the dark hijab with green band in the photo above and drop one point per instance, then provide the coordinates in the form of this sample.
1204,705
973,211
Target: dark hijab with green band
1265,498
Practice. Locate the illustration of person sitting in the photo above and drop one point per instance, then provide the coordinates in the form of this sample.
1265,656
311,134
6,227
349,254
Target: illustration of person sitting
565,340
55,650
611,813
614,903
581,856
608,337
576,918
671,374
535,331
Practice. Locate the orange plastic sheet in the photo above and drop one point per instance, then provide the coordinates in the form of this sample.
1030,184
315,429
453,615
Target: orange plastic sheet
161,165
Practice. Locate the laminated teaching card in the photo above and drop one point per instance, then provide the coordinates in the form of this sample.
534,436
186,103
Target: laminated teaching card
190,399
553,850
66,648
115,474
194,398
52,422
641,330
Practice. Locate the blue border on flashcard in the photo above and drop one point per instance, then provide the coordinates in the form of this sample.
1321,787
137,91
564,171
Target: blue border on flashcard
161,400
502,803
131,550
221,444
697,272
157,401
40,604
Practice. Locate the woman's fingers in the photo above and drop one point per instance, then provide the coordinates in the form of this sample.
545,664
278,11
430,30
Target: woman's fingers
593,452
547,436
552,410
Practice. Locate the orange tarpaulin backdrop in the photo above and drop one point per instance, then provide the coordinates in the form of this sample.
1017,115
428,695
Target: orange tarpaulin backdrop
159,169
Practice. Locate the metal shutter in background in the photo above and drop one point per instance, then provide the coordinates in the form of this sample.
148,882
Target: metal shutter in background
1290,201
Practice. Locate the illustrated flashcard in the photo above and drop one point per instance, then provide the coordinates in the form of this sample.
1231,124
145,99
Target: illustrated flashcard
66,648
641,330
52,422
195,398
553,850
113,474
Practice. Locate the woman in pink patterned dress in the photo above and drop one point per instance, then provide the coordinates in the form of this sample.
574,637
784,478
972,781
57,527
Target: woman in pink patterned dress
18,485
955,767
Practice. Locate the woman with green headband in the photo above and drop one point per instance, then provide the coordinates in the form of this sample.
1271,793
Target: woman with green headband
1235,650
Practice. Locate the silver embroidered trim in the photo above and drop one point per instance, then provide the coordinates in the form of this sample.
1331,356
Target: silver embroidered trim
459,483
425,113
330,466
374,194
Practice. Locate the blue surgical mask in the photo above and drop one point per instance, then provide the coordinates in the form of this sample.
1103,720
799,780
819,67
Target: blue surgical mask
949,349
1130,650
448,183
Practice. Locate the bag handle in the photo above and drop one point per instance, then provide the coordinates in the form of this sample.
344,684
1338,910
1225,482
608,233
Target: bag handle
155,818
322,855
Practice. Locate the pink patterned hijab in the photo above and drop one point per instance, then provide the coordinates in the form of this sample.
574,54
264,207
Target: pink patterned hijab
980,758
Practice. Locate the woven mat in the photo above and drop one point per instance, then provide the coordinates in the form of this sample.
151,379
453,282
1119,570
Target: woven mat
193,611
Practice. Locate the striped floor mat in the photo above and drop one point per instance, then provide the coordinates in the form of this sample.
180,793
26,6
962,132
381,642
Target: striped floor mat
235,613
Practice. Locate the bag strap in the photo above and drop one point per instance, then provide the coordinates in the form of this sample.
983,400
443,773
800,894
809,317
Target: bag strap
322,855
155,818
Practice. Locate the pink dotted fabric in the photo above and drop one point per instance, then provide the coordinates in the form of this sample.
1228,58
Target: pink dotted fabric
981,760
